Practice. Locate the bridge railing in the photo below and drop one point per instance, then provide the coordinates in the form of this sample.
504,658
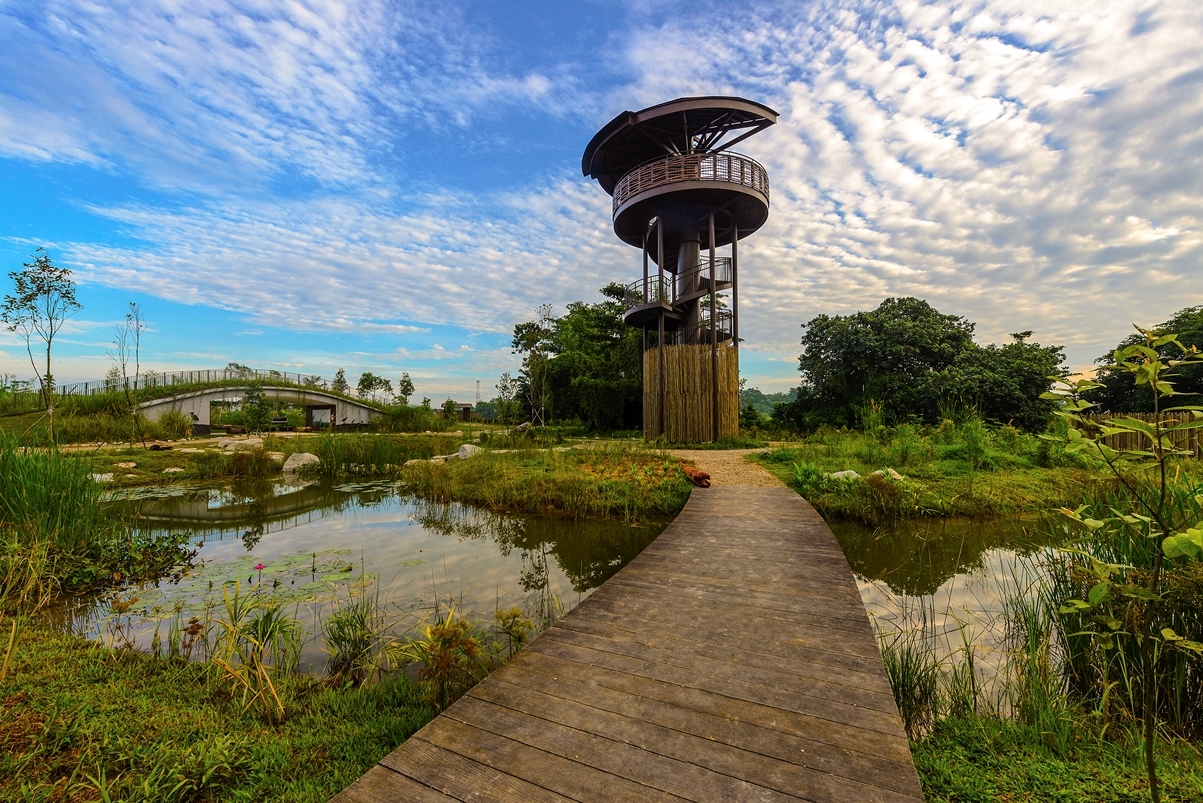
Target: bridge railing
19,391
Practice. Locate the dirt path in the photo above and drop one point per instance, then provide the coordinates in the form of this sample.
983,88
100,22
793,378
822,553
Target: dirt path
728,467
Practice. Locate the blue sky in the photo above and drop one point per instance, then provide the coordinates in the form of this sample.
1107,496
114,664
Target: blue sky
391,186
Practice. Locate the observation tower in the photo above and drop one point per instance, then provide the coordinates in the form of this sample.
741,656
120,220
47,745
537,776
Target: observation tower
685,200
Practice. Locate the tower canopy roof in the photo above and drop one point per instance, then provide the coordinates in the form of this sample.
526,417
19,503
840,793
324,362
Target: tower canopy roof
685,125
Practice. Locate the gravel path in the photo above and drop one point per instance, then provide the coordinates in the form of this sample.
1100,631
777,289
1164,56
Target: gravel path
728,467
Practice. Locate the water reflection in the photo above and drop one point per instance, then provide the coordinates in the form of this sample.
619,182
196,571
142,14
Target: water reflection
949,578
917,556
318,540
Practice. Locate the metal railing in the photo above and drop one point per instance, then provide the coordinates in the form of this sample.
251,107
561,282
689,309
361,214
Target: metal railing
700,331
652,290
731,168
168,379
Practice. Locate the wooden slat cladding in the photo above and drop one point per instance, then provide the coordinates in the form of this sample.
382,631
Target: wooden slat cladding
732,660
1190,439
689,396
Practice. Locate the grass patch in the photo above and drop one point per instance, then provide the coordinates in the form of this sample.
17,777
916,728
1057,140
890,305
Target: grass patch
969,759
956,469
57,535
621,480
74,718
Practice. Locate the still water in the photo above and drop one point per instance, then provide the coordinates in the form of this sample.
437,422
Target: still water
950,578
318,543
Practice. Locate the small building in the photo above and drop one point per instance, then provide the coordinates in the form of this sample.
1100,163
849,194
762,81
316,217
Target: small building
463,411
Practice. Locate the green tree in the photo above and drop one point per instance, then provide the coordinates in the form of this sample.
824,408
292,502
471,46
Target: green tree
42,302
1116,393
449,408
256,409
588,361
339,385
405,387
909,358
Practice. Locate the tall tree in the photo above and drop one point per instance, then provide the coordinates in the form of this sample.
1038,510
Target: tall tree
127,347
405,387
42,302
585,364
909,358
339,384
1118,394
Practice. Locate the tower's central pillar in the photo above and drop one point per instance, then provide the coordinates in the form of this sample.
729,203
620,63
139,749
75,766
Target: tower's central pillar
688,284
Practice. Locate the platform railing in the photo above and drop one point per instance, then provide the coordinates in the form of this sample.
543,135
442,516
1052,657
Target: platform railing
700,331
731,168
654,291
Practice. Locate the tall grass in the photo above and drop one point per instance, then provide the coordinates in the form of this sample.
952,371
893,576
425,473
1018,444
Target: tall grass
345,453
58,534
1104,670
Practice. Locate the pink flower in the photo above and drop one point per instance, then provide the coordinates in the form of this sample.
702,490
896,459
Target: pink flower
259,567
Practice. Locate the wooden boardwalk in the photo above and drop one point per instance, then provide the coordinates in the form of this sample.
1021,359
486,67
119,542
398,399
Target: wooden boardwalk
731,660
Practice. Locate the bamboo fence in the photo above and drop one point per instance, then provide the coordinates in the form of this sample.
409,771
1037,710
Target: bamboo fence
1187,440
689,394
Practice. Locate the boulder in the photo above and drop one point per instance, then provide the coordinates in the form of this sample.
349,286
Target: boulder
107,477
844,475
277,456
240,445
889,472
129,464
296,462
172,470
468,450
413,462
440,458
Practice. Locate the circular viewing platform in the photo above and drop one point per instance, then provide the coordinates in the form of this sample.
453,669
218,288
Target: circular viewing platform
684,185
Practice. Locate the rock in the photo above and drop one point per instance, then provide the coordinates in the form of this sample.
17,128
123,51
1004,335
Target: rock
459,433
468,450
102,477
159,447
131,475
297,461
190,450
277,456
844,475
127,465
241,445
415,461
889,472
523,427
439,459
172,470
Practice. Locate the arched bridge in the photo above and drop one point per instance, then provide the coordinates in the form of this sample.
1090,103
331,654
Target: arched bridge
318,404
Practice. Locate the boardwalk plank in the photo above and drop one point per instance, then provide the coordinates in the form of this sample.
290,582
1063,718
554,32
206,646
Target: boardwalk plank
730,663
760,769
731,660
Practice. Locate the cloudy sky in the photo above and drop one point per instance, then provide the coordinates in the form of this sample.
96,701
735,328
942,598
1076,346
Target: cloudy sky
391,186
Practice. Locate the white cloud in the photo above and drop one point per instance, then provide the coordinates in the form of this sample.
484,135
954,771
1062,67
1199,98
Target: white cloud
1030,167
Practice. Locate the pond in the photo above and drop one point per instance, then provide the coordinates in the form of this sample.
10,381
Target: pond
951,577
318,543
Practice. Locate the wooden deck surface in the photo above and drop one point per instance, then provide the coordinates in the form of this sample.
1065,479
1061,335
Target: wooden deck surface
731,660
